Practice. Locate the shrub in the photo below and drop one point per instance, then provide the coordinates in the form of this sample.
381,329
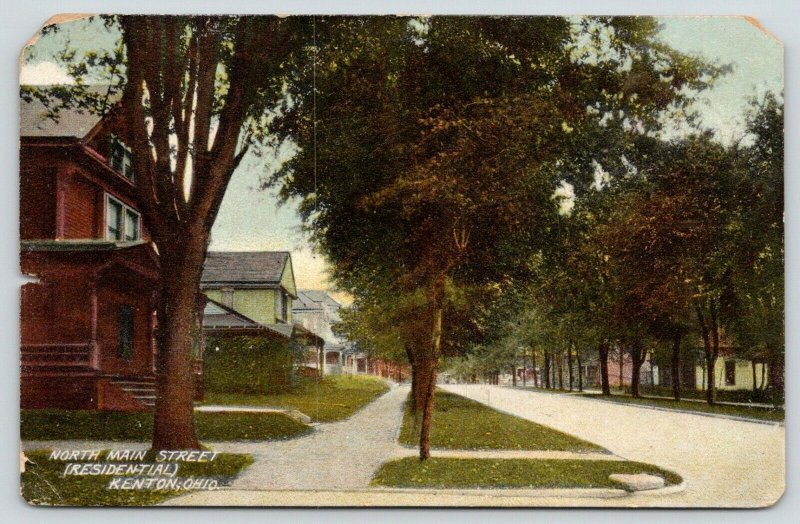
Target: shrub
249,364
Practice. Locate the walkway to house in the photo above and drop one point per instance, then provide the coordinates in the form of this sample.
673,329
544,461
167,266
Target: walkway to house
340,455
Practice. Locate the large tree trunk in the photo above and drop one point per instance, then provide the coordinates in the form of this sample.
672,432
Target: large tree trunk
437,302
514,375
776,364
535,371
580,371
676,365
603,350
753,369
174,412
621,368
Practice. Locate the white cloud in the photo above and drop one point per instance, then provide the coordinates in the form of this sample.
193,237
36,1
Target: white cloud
44,73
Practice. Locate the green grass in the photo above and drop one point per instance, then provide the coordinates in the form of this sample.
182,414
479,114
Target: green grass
43,482
510,473
460,423
51,424
326,400
775,415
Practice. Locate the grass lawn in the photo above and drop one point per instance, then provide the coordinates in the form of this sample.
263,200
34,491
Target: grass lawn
329,399
43,482
460,423
509,473
776,415
54,424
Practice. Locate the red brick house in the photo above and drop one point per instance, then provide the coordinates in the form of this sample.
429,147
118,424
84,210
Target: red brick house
87,323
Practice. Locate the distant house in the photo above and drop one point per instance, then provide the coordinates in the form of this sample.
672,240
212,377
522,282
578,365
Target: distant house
318,312
87,325
250,294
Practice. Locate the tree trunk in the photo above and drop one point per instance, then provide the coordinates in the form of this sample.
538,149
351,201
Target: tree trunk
776,364
535,371
753,369
580,371
560,369
676,366
173,423
710,331
637,359
437,302
569,365
524,368
606,387
514,375
621,368
547,369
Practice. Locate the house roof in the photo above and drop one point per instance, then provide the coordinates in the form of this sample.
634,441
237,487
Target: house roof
220,318
313,299
244,267
71,123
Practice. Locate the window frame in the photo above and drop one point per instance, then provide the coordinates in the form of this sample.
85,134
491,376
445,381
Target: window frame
127,158
123,223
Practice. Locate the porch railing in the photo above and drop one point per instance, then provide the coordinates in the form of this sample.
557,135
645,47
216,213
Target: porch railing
47,356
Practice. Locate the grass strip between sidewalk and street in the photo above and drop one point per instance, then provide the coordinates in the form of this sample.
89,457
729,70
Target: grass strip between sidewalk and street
773,415
56,424
328,399
510,473
461,423
44,483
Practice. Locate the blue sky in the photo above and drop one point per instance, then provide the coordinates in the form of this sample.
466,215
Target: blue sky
251,219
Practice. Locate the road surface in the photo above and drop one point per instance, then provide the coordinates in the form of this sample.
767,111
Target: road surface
725,463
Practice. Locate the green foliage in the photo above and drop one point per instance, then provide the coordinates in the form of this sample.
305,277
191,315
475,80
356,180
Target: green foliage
511,473
460,423
53,424
329,399
43,482
248,364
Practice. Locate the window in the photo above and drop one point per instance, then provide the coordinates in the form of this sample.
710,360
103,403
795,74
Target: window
121,158
730,372
125,325
284,306
122,222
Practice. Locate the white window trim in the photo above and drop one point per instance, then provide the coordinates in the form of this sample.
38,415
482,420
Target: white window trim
125,210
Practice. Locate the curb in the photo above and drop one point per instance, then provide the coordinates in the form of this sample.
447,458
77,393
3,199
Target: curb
689,412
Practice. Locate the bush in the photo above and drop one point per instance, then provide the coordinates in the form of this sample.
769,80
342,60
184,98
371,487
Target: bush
248,364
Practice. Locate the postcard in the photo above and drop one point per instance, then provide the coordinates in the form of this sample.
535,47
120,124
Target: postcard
371,261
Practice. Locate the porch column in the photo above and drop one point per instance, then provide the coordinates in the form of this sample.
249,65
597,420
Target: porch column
94,357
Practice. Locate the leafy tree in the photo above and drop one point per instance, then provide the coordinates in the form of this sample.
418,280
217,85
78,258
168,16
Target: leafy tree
198,93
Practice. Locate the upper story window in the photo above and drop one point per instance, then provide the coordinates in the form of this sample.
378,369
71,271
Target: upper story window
284,306
121,158
122,222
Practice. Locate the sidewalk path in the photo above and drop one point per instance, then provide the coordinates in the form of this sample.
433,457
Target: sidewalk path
724,462
340,455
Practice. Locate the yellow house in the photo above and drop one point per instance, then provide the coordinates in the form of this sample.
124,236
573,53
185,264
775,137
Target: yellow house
257,284
733,373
